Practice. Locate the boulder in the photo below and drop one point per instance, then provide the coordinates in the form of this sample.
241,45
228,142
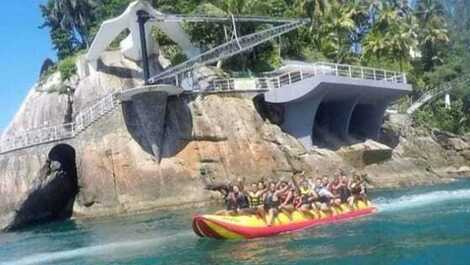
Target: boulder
50,197
364,154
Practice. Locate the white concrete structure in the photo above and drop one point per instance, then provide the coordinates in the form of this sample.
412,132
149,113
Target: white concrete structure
130,46
447,101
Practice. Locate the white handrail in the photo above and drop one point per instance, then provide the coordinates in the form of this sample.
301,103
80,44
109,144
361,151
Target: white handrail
320,68
61,131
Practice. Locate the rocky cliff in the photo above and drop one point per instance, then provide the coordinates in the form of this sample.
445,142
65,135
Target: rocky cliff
203,138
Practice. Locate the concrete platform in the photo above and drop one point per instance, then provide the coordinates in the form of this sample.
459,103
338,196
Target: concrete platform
127,95
343,105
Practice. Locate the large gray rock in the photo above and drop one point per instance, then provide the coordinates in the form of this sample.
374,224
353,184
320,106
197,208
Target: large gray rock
50,197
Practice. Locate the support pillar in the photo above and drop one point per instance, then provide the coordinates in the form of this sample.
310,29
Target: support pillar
341,112
142,18
299,119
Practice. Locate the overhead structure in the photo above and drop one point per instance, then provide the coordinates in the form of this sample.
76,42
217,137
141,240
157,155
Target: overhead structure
131,46
228,49
139,43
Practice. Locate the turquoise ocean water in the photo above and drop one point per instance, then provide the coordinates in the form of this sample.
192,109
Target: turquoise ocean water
416,226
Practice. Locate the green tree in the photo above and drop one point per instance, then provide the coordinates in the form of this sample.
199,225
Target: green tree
69,22
392,37
433,33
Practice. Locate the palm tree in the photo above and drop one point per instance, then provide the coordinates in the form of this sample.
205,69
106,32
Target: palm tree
312,9
340,25
403,40
393,36
433,34
73,16
374,45
427,10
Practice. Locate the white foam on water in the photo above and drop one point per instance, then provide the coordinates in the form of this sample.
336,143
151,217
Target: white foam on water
418,200
111,248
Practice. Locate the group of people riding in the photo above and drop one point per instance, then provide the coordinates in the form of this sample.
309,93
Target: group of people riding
300,193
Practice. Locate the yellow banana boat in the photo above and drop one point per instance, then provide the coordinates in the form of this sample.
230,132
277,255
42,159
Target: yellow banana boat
252,225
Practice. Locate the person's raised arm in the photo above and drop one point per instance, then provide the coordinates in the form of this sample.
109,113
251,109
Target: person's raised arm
288,198
294,180
222,188
282,190
241,184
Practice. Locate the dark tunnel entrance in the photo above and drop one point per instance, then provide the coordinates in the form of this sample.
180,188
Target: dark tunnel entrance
325,134
63,165
53,193
358,126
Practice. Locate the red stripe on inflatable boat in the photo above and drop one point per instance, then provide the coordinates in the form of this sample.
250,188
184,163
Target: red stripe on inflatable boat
196,228
205,229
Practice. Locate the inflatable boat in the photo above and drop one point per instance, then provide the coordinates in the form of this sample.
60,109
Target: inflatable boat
252,225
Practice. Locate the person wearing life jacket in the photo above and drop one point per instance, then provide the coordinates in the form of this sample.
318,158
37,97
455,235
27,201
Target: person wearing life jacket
256,197
272,202
252,194
358,190
306,194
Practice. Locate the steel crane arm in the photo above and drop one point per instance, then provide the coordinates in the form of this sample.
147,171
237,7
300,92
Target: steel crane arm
199,19
228,49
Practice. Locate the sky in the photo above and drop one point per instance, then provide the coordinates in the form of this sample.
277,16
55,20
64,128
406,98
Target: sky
23,49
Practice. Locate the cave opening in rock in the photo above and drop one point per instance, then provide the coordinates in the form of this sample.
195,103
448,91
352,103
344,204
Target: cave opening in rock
52,194
63,166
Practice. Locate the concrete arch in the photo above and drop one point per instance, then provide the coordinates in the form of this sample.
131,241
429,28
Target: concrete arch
367,119
299,119
333,117
341,112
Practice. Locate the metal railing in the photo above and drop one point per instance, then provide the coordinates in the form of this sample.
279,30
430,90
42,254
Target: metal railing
227,50
172,18
94,112
62,131
316,69
358,72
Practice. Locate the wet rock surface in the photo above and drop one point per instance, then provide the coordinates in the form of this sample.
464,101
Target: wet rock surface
50,197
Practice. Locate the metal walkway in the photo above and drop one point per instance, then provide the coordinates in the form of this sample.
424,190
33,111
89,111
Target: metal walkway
238,45
429,96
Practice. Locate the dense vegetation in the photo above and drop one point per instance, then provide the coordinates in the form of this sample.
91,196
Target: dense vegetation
428,39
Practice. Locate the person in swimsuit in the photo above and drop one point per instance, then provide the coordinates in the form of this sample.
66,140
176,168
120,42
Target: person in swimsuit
237,201
358,190
324,195
335,188
344,192
287,199
307,196
272,202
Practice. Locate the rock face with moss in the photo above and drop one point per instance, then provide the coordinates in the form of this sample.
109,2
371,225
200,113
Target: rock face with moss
205,138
